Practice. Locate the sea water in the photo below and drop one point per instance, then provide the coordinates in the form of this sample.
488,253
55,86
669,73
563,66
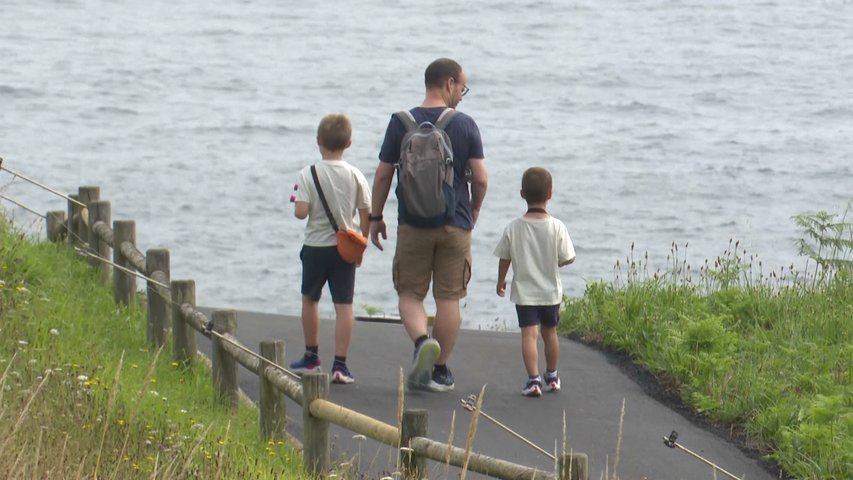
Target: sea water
661,121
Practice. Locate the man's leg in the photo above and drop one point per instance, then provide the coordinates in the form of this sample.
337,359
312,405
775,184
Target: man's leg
446,327
413,315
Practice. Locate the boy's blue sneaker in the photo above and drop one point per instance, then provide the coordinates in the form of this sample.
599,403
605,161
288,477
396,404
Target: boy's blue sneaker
441,381
306,365
553,381
533,388
425,356
341,374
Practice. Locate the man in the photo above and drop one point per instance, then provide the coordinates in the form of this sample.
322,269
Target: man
440,253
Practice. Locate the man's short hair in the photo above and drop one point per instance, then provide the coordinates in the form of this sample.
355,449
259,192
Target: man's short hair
440,70
335,131
536,184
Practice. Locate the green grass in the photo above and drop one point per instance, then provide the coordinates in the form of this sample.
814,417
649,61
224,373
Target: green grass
83,396
769,354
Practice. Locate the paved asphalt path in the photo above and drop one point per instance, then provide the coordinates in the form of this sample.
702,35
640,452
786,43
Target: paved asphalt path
591,397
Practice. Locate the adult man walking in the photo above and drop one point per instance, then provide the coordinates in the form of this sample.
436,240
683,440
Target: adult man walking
430,249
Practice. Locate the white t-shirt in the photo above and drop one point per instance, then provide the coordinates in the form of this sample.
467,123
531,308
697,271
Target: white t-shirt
536,247
346,191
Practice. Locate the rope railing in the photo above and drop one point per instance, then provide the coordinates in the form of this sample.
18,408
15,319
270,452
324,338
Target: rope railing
88,227
479,463
51,190
355,421
10,200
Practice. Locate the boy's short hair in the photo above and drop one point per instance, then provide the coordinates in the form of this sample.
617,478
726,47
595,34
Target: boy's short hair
334,131
440,70
536,184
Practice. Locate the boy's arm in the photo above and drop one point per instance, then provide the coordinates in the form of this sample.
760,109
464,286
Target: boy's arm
567,250
301,210
503,268
363,214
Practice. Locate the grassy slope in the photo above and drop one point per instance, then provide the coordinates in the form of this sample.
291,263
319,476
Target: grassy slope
81,394
770,356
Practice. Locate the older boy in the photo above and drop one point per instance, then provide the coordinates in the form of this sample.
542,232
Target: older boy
536,245
348,197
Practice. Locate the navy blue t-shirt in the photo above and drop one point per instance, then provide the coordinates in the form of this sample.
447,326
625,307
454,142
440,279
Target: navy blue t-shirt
465,138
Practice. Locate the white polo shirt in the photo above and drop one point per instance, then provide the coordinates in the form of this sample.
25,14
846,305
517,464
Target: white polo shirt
346,191
536,247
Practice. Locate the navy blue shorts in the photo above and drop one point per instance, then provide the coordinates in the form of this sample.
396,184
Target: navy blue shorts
545,315
321,265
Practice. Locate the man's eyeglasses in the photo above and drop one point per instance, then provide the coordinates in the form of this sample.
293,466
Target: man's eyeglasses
465,90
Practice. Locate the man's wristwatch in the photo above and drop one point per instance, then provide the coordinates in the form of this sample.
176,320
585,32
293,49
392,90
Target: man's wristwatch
375,218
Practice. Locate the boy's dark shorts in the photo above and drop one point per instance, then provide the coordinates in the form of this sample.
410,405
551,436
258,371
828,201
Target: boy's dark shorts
321,265
531,315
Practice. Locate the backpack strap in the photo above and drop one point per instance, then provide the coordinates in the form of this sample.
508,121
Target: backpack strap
445,118
408,120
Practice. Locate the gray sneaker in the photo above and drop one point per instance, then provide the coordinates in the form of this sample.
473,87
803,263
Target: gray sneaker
425,357
441,381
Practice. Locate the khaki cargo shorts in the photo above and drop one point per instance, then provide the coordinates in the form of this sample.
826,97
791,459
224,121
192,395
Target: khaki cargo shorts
441,254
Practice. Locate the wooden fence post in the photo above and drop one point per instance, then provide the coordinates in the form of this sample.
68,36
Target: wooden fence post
87,195
73,234
224,365
99,211
183,336
414,425
273,407
55,225
157,260
315,447
576,463
124,284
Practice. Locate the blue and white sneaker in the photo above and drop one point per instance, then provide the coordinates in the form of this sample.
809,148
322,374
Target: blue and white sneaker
533,388
341,374
553,381
441,381
305,365
422,365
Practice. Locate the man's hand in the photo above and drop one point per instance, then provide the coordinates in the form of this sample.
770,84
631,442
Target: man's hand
501,288
378,228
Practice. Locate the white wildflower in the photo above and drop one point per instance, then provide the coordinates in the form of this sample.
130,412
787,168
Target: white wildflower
82,378
23,342
54,332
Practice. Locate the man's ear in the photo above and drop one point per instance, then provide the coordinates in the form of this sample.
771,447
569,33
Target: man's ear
521,192
549,194
349,143
318,141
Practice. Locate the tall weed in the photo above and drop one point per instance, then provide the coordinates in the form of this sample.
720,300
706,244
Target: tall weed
769,353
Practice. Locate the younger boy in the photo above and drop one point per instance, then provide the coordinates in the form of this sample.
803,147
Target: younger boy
536,245
348,197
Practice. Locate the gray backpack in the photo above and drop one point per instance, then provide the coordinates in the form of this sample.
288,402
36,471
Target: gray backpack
425,193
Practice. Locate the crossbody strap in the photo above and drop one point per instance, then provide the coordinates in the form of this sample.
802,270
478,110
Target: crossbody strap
323,198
